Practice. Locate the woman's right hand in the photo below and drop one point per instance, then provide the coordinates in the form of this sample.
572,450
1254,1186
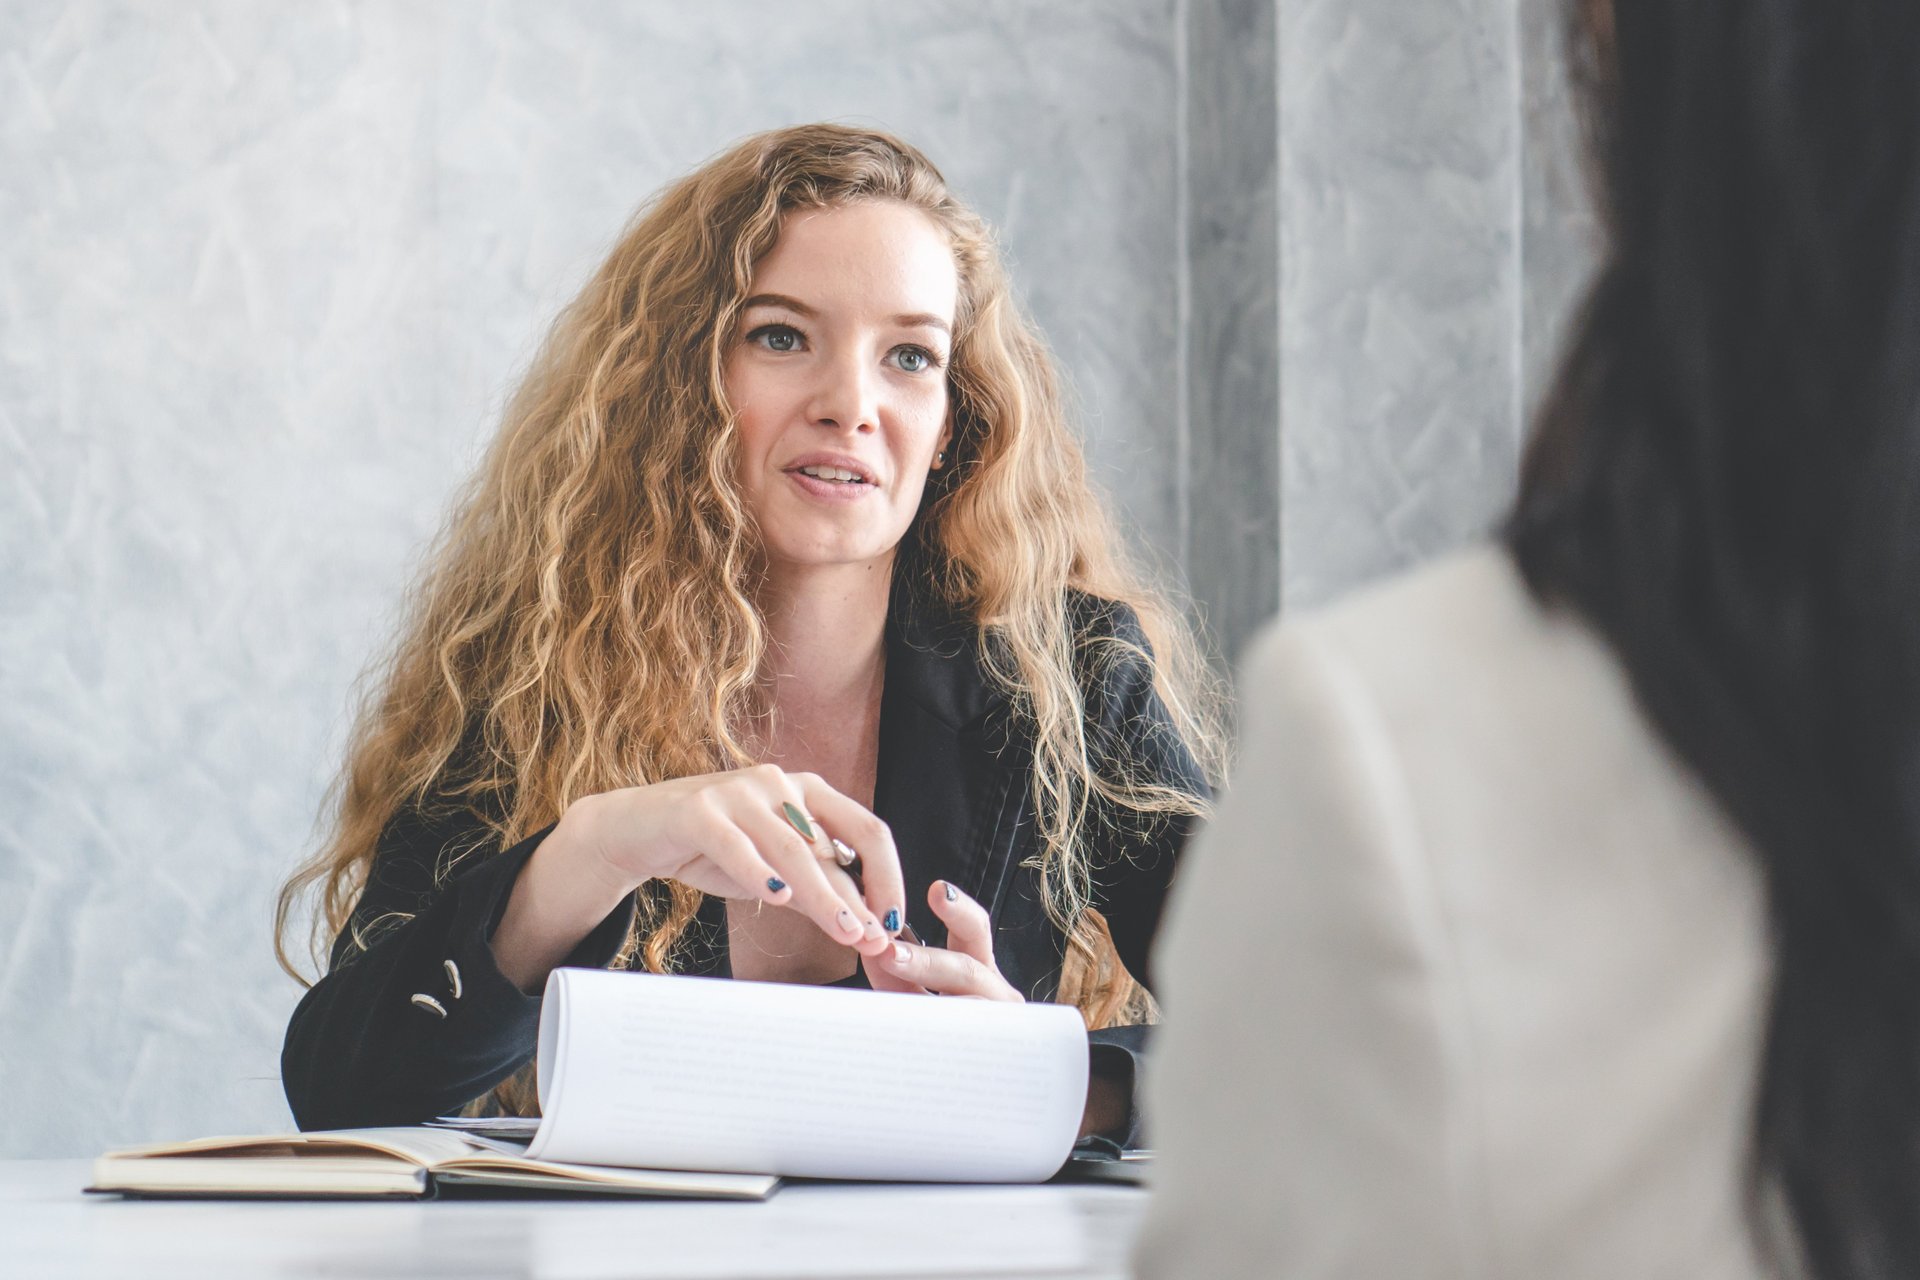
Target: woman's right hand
727,834
720,833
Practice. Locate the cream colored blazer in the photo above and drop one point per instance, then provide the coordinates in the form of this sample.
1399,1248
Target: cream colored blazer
1468,978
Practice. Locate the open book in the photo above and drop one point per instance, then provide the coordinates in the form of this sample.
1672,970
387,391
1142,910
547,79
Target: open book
403,1162
706,1087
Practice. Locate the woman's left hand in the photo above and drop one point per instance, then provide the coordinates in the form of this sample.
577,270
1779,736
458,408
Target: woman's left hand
964,967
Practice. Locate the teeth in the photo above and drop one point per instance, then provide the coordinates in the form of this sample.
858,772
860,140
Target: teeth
831,473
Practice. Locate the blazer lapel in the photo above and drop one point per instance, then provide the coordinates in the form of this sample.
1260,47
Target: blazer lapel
950,782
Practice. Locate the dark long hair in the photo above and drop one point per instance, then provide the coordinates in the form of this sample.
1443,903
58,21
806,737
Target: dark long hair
1725,482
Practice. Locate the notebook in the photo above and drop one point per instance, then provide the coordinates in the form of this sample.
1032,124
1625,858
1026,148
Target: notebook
409,1162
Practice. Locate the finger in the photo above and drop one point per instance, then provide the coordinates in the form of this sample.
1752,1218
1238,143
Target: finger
880,980
706,874
849,893
813,833
969,928
843,884
949,973
851,821
842,878
728,859
795,862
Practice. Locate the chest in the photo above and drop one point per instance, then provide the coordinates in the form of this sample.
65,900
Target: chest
772,944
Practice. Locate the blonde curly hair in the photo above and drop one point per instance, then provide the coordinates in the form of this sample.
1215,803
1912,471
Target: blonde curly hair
587,620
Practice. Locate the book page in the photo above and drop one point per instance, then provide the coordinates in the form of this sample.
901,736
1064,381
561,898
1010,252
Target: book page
553,1176
422,1146
417,1143
726,1075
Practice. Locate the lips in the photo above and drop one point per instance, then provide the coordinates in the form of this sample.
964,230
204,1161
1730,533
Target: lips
838,475
833,469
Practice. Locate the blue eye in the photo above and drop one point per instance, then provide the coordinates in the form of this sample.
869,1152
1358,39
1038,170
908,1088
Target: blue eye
914,359
776,337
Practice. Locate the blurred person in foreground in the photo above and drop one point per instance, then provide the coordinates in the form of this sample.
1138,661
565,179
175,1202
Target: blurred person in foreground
1575,881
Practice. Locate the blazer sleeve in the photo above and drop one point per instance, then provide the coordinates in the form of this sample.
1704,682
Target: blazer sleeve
360,1050
1307,1090
1132,734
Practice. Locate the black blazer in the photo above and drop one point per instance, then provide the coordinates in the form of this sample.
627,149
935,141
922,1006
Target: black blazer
952,784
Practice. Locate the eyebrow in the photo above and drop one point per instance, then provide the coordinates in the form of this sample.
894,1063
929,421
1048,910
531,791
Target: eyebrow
913,320
924,320
778,300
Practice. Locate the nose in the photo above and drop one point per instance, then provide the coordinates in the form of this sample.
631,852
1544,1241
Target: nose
846,396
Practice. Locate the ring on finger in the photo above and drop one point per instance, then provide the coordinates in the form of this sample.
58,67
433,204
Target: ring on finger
800,822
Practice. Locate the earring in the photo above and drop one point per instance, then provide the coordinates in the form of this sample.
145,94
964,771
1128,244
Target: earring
940,458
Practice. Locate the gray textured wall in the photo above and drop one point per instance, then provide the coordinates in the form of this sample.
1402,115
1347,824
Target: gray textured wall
1561,232
268,269
1434,234
1229,316
1399,261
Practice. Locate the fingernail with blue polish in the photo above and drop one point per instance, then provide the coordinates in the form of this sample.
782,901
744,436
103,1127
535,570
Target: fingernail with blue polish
775,884
891,921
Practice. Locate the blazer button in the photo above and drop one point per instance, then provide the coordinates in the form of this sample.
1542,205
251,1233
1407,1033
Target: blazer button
431,1005
453,977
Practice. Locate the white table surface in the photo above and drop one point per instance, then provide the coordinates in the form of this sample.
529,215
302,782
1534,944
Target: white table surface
48,1229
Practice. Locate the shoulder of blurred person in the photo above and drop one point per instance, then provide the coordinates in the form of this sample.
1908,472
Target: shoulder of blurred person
1488,965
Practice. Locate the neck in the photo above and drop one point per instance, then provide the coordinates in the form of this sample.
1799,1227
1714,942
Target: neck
827,632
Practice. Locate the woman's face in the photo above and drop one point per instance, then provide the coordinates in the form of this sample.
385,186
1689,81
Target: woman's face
838,375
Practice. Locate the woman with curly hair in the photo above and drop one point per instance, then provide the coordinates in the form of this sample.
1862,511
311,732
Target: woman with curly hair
784,555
